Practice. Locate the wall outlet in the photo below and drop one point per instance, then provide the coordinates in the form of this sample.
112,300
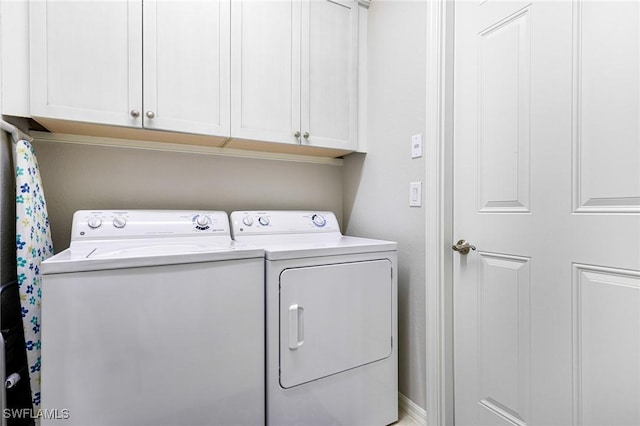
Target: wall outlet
416,146
415,194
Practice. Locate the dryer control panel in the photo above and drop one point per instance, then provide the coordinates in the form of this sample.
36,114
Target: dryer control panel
274,222
132,224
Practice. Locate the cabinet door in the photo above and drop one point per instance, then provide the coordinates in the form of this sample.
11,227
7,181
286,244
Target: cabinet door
186,66
86,60
330,73
265,70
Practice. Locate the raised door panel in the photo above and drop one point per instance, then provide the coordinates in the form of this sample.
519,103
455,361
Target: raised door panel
606,104
86,60
606,346
265,76
503,117
186,66
330,73
503,336
333,318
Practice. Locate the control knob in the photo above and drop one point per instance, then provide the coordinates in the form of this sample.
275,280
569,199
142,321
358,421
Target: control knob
119,222
247,220
94,222
263,220
202,221
318,220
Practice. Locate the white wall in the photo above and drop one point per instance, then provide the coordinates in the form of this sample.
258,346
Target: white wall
376,198
78,177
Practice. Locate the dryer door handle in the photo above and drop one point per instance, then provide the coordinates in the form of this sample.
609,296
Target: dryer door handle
296,326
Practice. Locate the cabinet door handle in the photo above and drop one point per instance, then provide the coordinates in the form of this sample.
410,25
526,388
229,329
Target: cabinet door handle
151,114
306,135
135,113
296,134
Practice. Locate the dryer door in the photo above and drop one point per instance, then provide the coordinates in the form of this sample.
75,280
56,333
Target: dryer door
333,318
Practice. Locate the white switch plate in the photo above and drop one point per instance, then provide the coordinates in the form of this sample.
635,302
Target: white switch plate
416,146
415,194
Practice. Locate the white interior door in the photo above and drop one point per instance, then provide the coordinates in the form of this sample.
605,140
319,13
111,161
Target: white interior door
547,187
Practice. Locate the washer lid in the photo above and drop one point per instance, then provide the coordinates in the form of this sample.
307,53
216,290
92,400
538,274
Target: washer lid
140,254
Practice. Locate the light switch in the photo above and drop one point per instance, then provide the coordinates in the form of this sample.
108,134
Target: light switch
416,146
415,194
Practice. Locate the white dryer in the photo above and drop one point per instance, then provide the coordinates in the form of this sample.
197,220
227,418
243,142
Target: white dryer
153,318
331,319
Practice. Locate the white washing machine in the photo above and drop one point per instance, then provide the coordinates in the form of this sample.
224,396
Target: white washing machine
331,320
153,318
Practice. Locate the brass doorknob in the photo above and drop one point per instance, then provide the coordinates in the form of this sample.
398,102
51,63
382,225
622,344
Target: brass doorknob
463,247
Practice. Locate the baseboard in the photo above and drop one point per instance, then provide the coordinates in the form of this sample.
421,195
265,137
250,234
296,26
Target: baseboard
412,410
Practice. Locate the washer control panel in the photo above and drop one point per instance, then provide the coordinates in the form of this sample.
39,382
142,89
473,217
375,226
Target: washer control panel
283,222
114,224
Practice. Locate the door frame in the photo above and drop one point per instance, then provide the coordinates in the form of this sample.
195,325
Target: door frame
439,213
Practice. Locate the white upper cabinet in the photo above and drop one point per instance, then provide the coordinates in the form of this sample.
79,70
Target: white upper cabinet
186,66
88,65
294,72
329,101
265,70
283,71
86,60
